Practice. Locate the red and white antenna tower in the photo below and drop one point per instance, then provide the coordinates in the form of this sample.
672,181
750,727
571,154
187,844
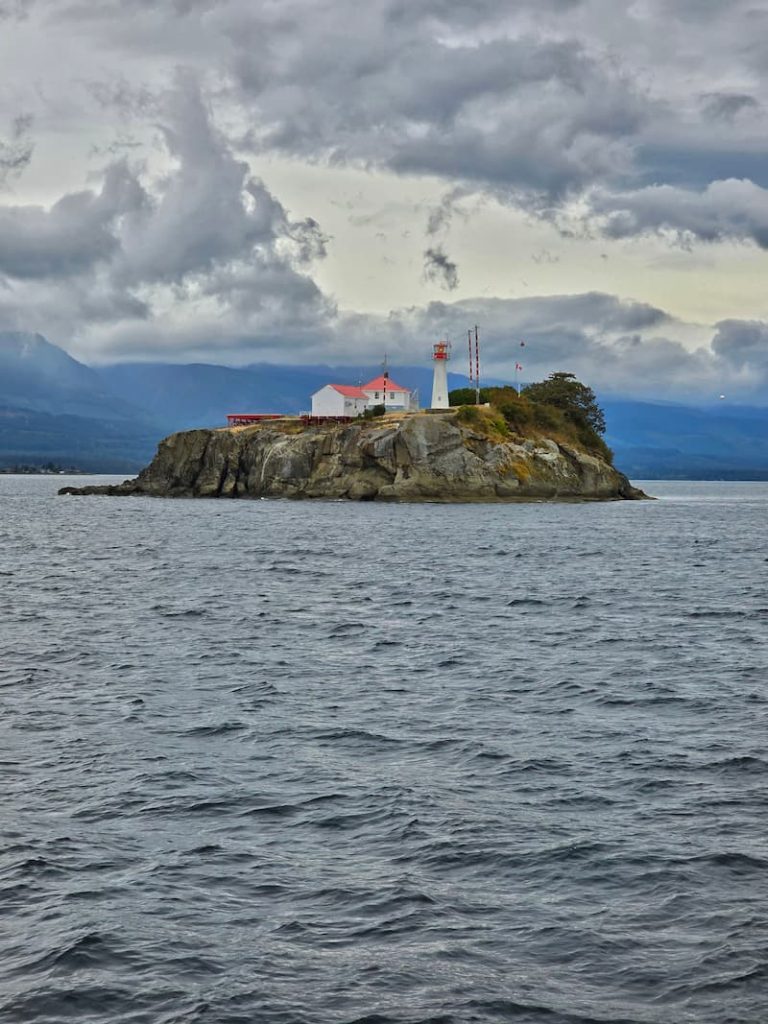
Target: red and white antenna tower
477,367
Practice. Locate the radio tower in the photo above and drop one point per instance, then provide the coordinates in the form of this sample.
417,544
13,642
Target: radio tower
441,353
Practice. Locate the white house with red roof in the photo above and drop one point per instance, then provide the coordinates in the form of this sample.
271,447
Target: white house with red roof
384,391
345,400
339,400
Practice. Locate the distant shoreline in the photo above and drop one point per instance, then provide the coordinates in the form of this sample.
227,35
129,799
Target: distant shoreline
50,470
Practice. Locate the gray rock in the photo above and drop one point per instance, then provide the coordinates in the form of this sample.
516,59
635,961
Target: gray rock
420,457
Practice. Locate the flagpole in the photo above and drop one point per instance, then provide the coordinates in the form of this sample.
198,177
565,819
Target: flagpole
518,368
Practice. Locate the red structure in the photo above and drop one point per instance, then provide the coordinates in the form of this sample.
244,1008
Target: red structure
441,350
243,419
317,421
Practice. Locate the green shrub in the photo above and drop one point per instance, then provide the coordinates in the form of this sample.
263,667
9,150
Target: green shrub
373,411
487,421
468,414
467,396
560,406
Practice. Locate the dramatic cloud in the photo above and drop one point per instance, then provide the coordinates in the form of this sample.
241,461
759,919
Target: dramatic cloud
16,150
206,236
726,106
438,267
144,210
726,209
744,346
619,347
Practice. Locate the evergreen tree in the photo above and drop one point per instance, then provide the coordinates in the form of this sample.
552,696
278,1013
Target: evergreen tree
575,399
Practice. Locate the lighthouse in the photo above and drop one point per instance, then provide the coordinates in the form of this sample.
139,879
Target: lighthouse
441,353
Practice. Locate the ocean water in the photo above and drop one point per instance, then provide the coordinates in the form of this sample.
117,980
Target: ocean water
303,763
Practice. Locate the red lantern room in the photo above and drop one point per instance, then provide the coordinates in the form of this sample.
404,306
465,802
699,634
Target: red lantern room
441,350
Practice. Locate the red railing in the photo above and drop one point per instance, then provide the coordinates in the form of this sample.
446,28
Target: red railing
316,421
242,419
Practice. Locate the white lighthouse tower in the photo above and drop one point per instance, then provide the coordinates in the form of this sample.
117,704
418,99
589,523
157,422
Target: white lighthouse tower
441,353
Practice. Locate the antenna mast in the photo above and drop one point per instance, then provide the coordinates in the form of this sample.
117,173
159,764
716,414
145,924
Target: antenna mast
477,365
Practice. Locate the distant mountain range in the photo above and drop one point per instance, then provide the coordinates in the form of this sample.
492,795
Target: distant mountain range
55,409
677,442
109,419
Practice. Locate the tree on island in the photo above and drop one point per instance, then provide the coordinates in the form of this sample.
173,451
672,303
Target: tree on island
560,406
576,400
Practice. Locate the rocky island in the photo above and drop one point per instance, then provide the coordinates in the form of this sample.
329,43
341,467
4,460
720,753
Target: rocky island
463,454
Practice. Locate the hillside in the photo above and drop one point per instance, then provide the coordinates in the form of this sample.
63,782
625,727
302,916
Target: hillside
53,407
411,457
666,441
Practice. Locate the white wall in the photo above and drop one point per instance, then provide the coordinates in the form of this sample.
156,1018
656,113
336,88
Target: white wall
440,385
395,399
355,406
328,402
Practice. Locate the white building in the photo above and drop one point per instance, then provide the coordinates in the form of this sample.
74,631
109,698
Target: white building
384,391
339,400
346,400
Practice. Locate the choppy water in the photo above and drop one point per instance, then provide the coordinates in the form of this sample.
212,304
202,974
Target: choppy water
276,762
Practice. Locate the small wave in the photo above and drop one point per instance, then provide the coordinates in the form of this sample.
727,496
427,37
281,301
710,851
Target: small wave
88,952
344,628
717,613
219,729
745,763
512,1010
179,613
357,736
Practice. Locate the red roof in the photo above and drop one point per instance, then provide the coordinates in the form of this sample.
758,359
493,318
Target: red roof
377,384
349,392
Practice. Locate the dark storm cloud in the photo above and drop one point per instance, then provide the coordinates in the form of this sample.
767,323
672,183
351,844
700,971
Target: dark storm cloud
207,229
438,267
440,217
618,347
14,8
725,106
624,119
73,235
471,91
725,209
525,113
538,103
16,149
743,344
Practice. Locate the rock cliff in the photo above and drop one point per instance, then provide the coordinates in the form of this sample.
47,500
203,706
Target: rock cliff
422,457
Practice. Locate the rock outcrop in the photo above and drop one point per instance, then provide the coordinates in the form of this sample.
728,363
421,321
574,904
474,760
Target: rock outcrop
422,457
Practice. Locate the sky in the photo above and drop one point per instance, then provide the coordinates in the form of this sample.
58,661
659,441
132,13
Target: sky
310,181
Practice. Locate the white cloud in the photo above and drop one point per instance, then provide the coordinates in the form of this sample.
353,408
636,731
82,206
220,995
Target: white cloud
205,237
614,121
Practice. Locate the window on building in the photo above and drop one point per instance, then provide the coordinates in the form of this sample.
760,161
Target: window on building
375,394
